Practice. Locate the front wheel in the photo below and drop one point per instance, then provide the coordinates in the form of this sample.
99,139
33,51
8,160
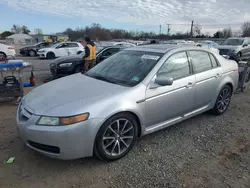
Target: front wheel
32,53
3,56
78,69
50,55
223,101
116,137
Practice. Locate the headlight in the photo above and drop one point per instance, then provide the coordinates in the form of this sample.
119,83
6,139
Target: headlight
57,121
41,51
65,64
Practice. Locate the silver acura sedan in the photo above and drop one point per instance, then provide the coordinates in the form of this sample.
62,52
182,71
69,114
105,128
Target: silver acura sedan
133,93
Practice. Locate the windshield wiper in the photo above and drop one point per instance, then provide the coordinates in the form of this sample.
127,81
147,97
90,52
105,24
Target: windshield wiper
103,79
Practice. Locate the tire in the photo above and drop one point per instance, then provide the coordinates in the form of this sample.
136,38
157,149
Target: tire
32,53
50,55
3,56
78,69
108,149
79,52
223,101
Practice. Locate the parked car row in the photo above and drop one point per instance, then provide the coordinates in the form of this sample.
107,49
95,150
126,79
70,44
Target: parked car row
73,64
132,93
33,49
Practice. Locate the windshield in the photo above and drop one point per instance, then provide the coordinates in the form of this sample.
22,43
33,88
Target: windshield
99,48
37,44
126,67
233,42
55,45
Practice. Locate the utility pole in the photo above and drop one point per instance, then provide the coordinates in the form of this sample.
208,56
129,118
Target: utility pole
168,29
160,29
192,25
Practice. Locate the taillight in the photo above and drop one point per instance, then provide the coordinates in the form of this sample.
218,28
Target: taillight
236,70
11,48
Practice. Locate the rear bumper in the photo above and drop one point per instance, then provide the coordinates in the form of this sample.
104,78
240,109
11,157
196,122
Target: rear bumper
11,53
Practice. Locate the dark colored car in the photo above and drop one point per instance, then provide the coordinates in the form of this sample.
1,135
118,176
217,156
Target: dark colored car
32,50
73,64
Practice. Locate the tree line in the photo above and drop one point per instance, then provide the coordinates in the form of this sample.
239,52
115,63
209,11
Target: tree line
97,32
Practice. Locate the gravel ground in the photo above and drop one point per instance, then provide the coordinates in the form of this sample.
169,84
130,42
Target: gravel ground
205,151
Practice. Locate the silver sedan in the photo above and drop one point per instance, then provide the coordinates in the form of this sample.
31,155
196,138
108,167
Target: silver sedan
133,93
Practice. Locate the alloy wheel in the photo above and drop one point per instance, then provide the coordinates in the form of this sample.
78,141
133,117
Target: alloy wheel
118,137
224,99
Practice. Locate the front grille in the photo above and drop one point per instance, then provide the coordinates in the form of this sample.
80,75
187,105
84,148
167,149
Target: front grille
47,148
223,51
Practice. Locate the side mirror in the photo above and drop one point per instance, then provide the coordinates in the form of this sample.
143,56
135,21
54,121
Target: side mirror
163,80
245,45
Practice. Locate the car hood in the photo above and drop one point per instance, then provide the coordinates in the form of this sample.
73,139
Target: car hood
72,93
67,58
228,47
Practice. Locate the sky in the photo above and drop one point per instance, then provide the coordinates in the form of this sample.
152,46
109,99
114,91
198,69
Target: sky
138,15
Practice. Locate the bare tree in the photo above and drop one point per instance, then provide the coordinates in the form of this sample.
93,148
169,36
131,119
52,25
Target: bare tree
20,29
227,32
25,29
16,29
245,29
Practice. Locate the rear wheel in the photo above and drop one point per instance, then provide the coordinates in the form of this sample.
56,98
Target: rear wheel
3,56
223,101
32,53
78,69
50,55
116,137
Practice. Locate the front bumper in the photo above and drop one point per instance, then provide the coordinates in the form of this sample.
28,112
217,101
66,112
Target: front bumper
227,52
24,52
61,71
61,142
41,54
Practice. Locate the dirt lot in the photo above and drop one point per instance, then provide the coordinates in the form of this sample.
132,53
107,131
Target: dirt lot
205,151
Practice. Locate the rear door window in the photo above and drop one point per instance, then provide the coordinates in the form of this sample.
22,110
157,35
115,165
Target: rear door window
72,45
200,61
213,61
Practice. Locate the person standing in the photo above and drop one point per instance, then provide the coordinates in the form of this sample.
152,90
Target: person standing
90,54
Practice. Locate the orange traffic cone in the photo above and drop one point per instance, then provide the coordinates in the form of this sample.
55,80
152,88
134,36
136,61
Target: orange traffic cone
32,79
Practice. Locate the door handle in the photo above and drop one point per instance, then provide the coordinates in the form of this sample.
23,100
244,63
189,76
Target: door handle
190,84
218,75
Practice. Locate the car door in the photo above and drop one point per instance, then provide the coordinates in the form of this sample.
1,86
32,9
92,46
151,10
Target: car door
170,103
107,53
208,74
73,48
62,50
247,49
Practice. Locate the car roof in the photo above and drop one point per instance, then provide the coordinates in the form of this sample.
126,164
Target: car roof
164,48
111,46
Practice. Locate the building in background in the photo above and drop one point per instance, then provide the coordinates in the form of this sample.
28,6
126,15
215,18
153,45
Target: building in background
20,39
50,38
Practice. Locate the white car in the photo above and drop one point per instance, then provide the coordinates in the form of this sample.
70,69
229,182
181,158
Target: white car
60,50
6,51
